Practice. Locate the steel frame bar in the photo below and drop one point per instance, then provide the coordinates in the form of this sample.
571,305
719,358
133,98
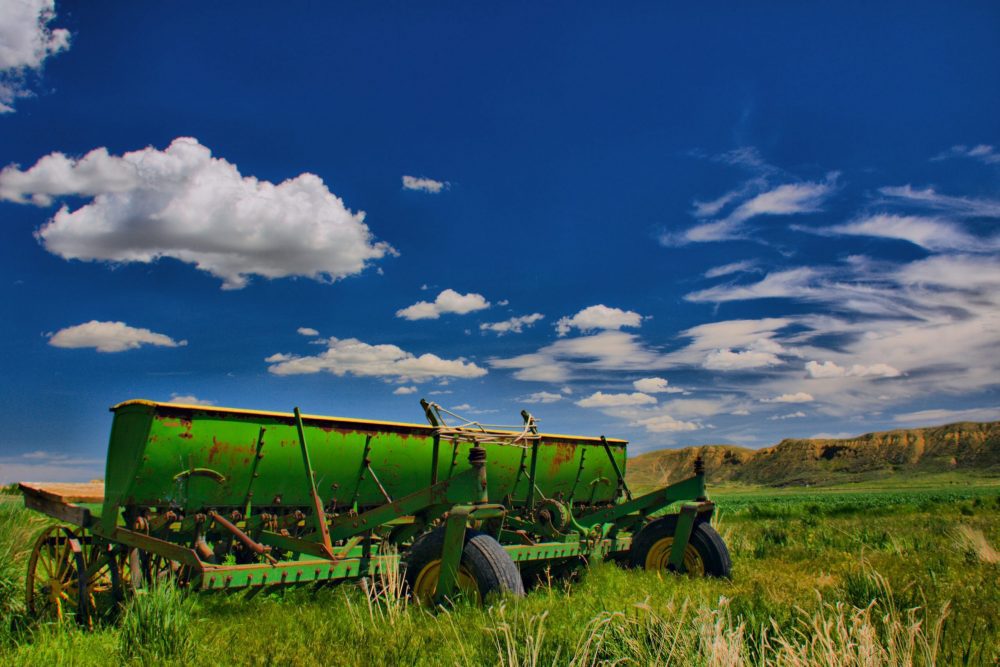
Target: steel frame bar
693,487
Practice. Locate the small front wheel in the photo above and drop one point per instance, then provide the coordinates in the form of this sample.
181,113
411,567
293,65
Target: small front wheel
485,568
706,554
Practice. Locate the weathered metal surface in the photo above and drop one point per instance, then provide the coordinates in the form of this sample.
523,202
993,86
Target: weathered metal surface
152,443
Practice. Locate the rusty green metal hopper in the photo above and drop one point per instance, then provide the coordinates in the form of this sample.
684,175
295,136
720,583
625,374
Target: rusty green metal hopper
192,457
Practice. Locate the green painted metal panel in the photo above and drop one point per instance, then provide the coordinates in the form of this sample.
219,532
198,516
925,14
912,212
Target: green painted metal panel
193,457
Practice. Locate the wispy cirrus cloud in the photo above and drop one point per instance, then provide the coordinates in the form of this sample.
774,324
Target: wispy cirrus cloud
778,284
984,153
188,399
542,397
790,415
934,234
939,415
882,332
729,269
568,358
797,397
971,207
754,198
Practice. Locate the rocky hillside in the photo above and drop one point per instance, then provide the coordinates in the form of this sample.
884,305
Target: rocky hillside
963,446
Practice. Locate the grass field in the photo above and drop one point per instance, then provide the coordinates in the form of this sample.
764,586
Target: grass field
849,575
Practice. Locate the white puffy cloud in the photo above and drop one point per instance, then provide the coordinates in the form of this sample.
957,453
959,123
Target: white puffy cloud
655,386
665,424
930,233
541,397
598,317
423,184
26,41
109,337
350,356
601,400
828,369
405,391
185,204
188,399
513,325
307,331
736,360
448,301
797,397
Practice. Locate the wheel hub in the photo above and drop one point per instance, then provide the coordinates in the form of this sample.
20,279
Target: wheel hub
658,557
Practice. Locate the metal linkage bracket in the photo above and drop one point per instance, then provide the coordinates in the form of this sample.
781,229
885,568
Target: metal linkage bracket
320,513
682,535
454,543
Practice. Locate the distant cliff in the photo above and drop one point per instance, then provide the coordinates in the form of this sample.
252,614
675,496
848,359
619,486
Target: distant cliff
963,446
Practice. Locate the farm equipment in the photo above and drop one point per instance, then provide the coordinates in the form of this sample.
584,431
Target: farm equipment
219,499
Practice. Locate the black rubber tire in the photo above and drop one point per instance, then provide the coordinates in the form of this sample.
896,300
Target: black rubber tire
483,556
706,541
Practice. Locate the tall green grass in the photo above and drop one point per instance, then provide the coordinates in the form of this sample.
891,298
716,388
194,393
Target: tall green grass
156,627
815,586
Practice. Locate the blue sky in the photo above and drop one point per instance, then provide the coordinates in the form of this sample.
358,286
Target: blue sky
677,225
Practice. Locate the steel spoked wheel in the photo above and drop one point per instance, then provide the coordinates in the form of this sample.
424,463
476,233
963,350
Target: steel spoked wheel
53,584
104,574
148,569
705,555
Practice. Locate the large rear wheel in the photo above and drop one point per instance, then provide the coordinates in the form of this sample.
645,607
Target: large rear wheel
105,577
705,555
485,568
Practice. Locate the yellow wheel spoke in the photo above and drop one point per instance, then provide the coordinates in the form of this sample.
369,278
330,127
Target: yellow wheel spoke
47,564
64,558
